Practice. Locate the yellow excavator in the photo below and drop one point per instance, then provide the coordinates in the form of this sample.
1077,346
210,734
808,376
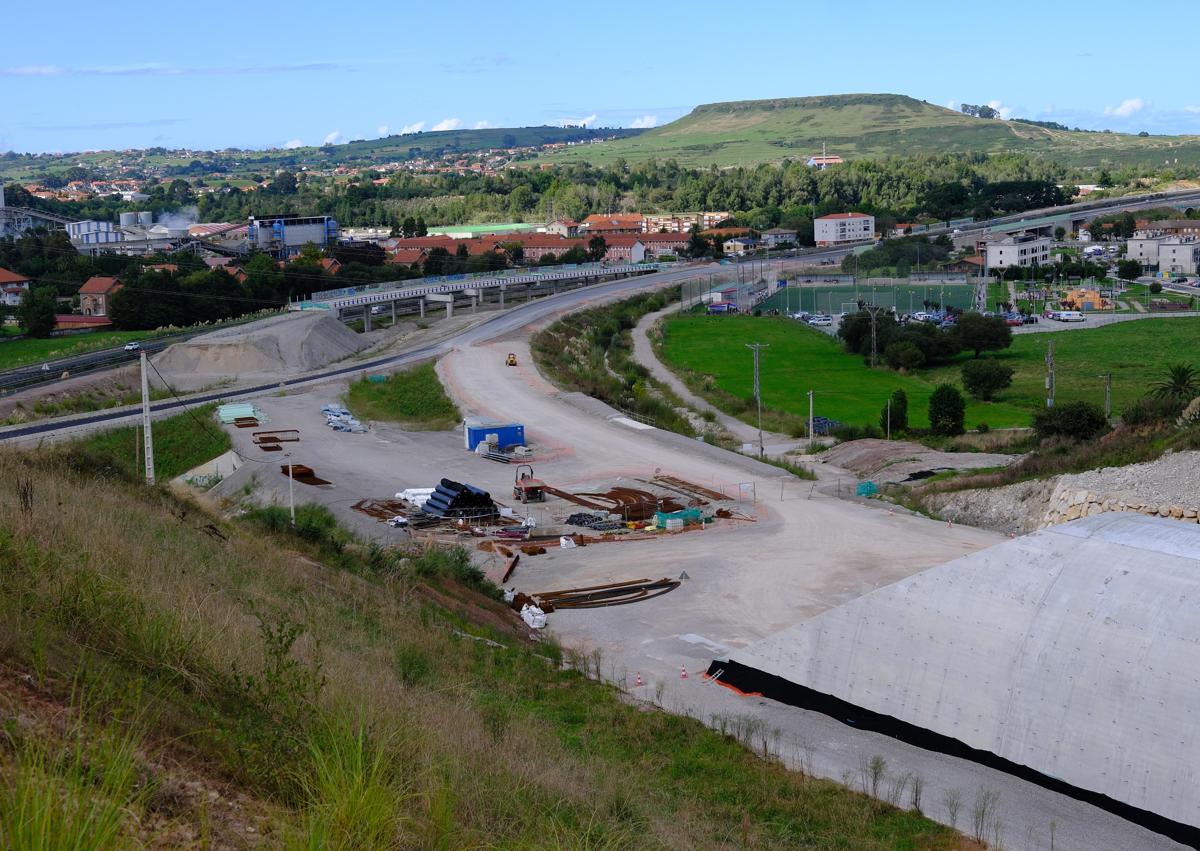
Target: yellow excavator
511,360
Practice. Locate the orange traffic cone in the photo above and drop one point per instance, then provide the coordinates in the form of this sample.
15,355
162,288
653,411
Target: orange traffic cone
638,684
682,672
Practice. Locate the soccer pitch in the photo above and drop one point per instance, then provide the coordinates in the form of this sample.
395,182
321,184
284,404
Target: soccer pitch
906,298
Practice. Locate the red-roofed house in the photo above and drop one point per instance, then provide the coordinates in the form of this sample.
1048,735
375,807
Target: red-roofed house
330,265
844,227
664,243
614,223
564,227
624,248
13,287
406,257
535,246
95,296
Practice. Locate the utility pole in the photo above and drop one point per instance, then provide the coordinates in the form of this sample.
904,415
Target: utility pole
147,436
757,347
811,436
873,310
1050,374
1107,395
291,490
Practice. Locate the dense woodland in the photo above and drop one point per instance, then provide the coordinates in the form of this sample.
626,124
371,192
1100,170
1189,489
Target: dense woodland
894,188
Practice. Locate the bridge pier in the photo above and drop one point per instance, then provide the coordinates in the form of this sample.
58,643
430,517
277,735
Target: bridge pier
421,306
393,311
366,318
447,298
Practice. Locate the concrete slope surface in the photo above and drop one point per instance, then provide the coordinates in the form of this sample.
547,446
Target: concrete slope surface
1072,651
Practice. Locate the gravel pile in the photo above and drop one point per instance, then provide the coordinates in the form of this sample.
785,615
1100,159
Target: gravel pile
1172,479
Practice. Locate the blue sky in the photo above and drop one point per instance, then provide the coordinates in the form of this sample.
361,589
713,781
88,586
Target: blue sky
78,75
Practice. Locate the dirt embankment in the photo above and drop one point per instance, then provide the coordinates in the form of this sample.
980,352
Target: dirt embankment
895,461
263,350
1165,487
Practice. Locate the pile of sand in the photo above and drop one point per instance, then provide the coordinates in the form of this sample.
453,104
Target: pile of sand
901,460
259,351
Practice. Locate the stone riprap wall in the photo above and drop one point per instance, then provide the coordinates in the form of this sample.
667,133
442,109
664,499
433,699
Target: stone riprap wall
1167,487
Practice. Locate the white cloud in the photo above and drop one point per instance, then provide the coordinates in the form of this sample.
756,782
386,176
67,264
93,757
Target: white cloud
412,128
645,121
332,137
1125,108
951,104
1004,111
482,125
382,130
158,69
1192,109
447,124
33,71
290,144
577,122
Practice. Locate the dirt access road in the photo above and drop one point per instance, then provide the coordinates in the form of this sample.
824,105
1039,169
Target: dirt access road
807,552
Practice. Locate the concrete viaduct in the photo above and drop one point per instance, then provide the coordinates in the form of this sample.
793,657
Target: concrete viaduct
405,298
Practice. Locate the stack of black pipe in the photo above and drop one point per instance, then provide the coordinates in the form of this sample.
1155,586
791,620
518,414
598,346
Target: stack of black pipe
454,499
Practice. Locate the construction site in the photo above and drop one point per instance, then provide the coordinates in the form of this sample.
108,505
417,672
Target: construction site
716,585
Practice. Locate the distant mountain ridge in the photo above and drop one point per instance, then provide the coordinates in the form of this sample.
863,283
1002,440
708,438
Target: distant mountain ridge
863,126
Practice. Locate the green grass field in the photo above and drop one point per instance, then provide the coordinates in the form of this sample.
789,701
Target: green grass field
414,398
801,358
181,442
28,350
830,300
859,126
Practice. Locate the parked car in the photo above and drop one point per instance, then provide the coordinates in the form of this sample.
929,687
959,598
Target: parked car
921,316
820,321
133,346
1014,320
1070,316
802,316
1030,319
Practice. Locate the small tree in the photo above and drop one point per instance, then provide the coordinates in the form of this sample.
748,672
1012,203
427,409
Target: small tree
597,247
982,333
1180,383
1156,287
36,313
904,355
947,411
1059,233
1076,420
896,414
1129,270
984,378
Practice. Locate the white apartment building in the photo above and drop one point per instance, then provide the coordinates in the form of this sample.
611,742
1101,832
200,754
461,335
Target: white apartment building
1179,256
1022,250
844,227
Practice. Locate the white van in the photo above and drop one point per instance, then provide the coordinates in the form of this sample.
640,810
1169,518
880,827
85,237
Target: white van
1070,316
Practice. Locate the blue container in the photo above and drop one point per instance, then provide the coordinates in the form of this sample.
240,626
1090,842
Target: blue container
508,434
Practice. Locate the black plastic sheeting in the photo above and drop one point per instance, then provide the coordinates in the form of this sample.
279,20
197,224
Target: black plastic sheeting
753,681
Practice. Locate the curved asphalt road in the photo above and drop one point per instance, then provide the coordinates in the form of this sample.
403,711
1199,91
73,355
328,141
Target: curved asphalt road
496,326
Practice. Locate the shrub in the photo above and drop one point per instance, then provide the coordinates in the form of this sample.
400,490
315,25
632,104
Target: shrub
983,428
1150,410
947,411
856,432
898,415
904,355
984,378
1075,420
1156,288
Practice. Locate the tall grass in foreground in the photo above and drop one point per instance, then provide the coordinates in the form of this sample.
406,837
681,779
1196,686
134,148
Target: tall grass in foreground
77,795
373,701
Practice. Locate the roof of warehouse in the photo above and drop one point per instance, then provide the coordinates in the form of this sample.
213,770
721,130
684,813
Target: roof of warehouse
1072,651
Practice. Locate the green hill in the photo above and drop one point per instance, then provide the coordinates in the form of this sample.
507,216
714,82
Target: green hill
866,125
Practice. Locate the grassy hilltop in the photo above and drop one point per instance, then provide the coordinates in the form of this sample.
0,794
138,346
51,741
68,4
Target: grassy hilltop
862,126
